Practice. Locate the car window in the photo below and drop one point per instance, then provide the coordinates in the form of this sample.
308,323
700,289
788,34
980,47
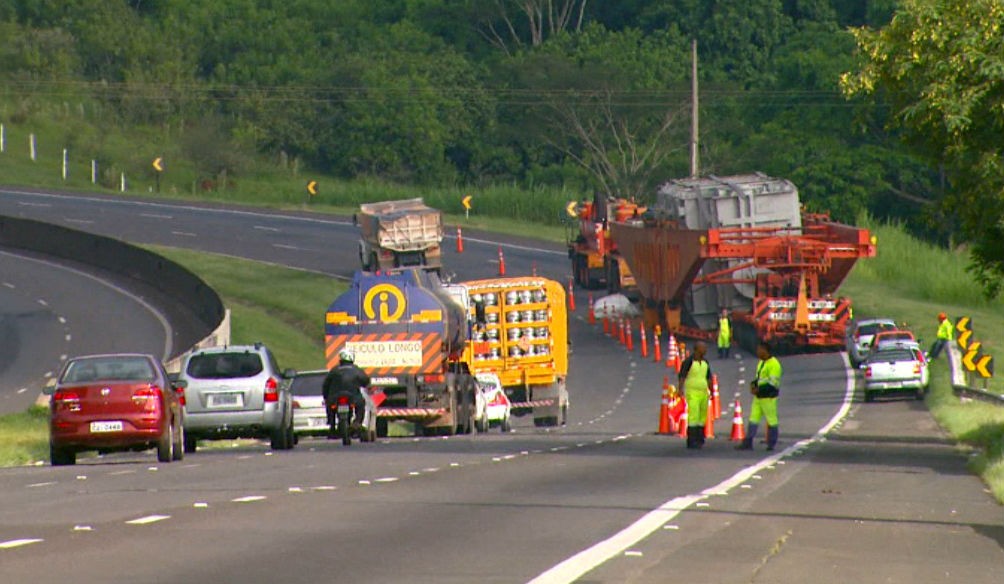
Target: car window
112,368
891,355
308,385
223,365
872,328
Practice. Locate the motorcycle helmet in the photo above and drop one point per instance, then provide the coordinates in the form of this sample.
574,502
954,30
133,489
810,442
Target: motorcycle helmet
346,356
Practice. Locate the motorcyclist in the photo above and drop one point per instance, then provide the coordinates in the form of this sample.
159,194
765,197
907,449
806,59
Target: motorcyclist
345,379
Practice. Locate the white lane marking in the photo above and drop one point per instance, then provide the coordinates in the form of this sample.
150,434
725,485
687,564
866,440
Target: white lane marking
79,221
184,233
414,473
13,543
325,488
81,477
387,480
62,320
9,285
430,469
510,246
148,519
168,331
365,482
296,489
121,472
42,302
23,389
671,527
284,246
585,561
633,553
82,528
68,338
36,485
248,499
156,216
27,204
267,228
200,505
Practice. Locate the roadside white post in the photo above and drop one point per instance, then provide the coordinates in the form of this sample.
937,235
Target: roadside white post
32,146
65,163
94,172
3,138
122,182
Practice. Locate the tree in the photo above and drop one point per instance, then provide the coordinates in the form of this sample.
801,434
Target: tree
940,65
511,24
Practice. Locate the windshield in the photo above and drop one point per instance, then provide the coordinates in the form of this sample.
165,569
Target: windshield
224,365
892,355
131,368
308,385
872,328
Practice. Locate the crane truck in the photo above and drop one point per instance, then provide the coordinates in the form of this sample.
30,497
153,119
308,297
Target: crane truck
409,335
400,234
596,261
743,244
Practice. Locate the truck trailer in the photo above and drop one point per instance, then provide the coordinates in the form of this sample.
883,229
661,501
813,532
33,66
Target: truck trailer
400,234
409,335
743,244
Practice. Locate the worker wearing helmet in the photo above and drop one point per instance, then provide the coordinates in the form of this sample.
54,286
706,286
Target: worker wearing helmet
946,333
345,378
765,388
695,379
724,334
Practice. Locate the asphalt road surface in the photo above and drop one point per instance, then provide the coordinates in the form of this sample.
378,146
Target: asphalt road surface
602,499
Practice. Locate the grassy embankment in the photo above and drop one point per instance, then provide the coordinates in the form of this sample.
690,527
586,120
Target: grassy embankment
909,281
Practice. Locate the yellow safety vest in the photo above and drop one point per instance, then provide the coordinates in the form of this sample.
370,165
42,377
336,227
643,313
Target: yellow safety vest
724,332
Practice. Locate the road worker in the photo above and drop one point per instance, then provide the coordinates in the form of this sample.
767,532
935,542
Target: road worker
695,379
946,333
724,334
765,389
345,378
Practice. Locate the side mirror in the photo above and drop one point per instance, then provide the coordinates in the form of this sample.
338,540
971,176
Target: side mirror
289,373
50,387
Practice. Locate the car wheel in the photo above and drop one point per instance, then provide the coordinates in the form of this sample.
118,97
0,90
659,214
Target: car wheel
280,439
191,443
506,425
481,425
920,394
61,457
178,446
165,444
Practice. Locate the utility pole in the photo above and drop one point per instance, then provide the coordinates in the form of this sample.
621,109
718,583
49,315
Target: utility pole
694,165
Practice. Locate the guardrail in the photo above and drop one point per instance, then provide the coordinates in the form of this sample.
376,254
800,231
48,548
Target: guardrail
960,386
131,262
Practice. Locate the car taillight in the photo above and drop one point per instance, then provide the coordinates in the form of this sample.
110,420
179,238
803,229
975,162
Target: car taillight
868,371
66,400
147,397
271,390
296,405
435,378
342,400
916,368
498,400
180,391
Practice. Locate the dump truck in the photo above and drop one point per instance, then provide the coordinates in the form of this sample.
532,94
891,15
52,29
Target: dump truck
400,234
409,335
596,261
744,244
520,333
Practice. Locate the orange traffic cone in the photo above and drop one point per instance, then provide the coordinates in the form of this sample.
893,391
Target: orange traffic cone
629,335
657,349
673,354
501,262
709,424
716,399
621,331
460,240
738,429
664,421
606,321
592,312
533,272
681,429
571,295
644,340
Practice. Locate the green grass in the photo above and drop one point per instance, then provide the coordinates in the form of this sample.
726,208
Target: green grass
24,437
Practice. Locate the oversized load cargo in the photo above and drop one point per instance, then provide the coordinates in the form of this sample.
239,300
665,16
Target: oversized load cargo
524,340
399,234
742,244
409,335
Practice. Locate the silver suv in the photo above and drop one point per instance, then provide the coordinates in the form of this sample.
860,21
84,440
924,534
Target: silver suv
236,392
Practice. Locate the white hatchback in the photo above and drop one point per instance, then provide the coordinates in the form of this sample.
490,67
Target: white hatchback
493,406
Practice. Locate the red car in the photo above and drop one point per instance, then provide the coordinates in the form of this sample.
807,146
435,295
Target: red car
112,403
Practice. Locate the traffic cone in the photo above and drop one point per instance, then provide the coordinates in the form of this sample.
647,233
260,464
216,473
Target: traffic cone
629,335
716,399
664,421
460,240
657,349
533,272
644,340
501,262
673,354
681,429
571,295
606,321
709,423
592,312
738,429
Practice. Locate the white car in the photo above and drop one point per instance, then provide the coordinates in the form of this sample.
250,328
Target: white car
895,370
493,406
309,417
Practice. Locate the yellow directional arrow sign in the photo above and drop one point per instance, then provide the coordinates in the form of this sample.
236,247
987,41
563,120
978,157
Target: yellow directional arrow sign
969,360
158,164
570,208
963,339
467,202
312,187
985,366
963,324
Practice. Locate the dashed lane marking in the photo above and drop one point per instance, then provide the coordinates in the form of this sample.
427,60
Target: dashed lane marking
45,484
184,234
13,543
267,228
147,520
156,216
248,499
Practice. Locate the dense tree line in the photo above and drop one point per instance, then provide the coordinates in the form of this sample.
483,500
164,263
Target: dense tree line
586,94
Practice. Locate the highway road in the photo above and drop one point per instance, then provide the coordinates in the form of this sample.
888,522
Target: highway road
601,499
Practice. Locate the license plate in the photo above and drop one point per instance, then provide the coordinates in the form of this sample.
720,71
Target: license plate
317,422
225,400
97,427
342,409
384,381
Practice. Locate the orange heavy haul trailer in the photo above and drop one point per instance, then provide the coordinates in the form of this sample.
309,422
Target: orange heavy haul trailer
596,262
742,243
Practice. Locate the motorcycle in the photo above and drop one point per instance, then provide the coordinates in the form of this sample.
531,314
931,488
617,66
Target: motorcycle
343,419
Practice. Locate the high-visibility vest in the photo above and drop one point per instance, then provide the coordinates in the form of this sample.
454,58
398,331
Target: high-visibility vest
945,330
697,376
724,332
